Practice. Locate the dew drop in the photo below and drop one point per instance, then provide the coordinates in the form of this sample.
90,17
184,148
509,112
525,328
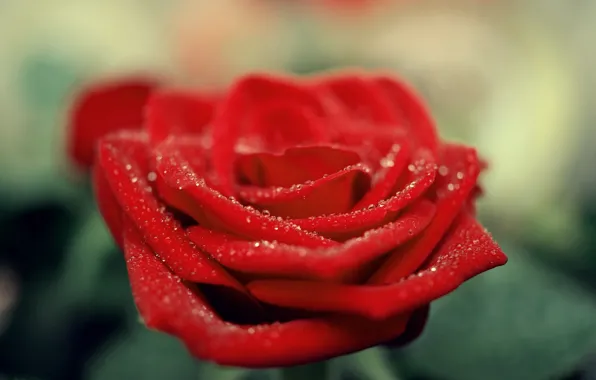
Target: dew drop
387,162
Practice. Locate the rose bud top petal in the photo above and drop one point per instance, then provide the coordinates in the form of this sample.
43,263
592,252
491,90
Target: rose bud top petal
234,210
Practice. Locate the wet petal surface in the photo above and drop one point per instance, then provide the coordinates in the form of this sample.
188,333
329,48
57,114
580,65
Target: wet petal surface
168,305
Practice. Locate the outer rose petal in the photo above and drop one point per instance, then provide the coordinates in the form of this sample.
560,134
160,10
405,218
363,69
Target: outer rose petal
414,115
335,263
121,160
108,108
414,328
458,174
178,113
168,304
466,251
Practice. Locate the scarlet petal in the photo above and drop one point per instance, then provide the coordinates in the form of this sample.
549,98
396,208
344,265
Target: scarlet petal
104,109
335,263
281,124
186,190
343,226
386,179
303,181
415,117
122,160
178,113
458,174
294,165
466,251
168,305
233,119
362,100
414,328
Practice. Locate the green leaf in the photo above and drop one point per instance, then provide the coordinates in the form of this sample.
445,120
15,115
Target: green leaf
521,321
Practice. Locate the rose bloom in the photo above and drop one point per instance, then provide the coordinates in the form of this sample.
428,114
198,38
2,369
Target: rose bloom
286,220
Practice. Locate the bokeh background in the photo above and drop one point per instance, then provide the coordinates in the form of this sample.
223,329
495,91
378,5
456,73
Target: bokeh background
514,78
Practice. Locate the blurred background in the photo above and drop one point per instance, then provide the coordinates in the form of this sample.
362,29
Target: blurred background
514,78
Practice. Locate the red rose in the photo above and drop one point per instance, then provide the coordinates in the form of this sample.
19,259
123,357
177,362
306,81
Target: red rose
288,221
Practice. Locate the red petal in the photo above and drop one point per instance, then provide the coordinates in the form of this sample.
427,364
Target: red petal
282,123
373,145
322,180
342,226
332,194
393,165
362,101
106,108
123,161
466,251
178,113
185,189
294,165
233,121
458,174
414,115
168,305
335,263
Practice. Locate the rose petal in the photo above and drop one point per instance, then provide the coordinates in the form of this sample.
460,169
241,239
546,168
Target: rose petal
415,117
457,178
123,160
335,193
466,251
371,144
249,94
414,328
282,123
186,190
294,165
168,305
421,175
393,165
335,263
361,100
103,109
178,113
